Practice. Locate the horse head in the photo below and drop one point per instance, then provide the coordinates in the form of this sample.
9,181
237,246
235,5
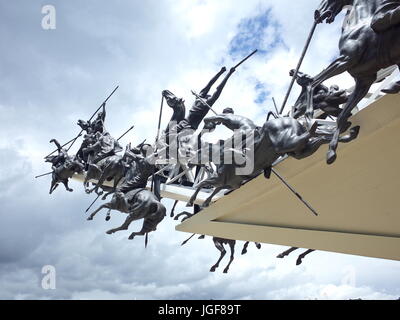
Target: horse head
84,125
329,9
177,104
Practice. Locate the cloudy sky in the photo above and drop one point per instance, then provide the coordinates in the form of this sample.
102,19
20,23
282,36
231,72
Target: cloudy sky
51,78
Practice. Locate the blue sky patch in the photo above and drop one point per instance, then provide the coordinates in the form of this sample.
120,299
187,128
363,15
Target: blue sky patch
258,32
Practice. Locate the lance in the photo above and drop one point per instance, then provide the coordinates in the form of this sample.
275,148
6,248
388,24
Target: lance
65,144
204,102
245,59
101,106
158,136
316,21
276,108
131,128
159,118
45,174
91,205
295,192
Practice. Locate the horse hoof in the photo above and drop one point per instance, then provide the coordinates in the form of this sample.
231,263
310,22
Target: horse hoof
108,218
298,262
212,270
331,157
104,198
189,204
109,232
280,256
226,271
131,237
87,191
89,219
70,190
244,252
354,132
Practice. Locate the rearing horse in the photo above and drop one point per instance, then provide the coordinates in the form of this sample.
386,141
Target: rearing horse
363,52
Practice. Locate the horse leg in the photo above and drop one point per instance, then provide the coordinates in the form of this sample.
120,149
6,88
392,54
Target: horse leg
53,186
232,246
394,88
134,234
244,250
150,223
104,206
301,257
194,196
104,175
173,208
286,253
65,183
258,245
361,89
184,213
108,216
352,136
221,248
208,200
124,226
116,182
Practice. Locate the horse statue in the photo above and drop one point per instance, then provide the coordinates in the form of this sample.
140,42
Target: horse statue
63,166
370,41
138,204
276,138
111,168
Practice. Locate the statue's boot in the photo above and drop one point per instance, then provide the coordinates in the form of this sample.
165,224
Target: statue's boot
393,89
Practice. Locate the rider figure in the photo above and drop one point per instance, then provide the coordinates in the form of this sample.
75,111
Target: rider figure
141,171
59,159
200,109
98,124
105,146
231,121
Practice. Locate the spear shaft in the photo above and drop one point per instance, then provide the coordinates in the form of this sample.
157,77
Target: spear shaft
299,64
245,59
295,192
127,131
45,174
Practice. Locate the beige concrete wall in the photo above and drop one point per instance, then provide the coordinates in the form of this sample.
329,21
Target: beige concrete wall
357,198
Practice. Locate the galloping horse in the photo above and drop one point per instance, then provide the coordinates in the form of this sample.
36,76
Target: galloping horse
363,52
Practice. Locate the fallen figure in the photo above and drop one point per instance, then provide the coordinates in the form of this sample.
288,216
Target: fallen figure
276,138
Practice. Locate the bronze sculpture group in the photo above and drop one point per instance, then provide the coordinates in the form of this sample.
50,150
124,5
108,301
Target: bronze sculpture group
369,42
